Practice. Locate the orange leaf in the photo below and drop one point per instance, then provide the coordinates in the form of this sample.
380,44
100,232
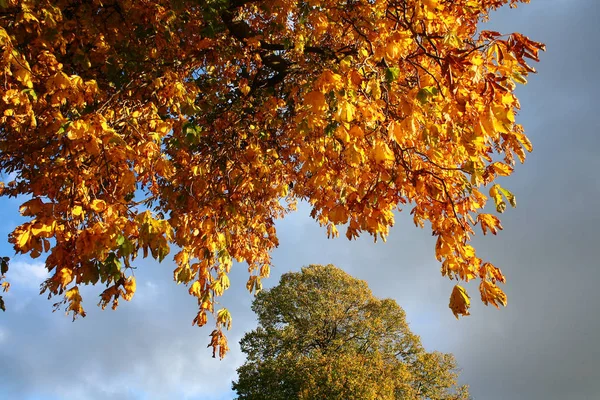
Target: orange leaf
459,301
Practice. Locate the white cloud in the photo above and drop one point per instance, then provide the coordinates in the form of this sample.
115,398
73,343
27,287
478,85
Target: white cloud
147,292
26,275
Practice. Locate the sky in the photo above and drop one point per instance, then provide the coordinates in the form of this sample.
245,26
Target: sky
543,345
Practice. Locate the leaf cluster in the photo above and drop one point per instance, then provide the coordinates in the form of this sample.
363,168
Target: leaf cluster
137,127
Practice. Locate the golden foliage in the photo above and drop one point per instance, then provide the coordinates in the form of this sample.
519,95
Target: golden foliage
131,126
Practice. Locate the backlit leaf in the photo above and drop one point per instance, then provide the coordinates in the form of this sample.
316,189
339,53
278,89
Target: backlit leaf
459,301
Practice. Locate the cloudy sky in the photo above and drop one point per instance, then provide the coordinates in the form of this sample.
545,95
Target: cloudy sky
544,345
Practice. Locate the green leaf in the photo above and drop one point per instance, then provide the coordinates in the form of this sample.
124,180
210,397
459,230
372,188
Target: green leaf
494,193
30,92
120,240
182,274
127,248
392,74
330,129
63,128
519,78
422,96
163,251
509,196
426,93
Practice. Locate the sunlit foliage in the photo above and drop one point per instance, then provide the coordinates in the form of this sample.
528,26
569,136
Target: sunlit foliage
141,127
323,335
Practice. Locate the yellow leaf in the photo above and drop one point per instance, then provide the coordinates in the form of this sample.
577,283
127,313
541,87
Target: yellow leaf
489,272
77,211
510,116
76,81
316,100
393,51
409,125
395,132
501,120
65,276
338,215
73,294
23,239
78,130
224,318
502,169
477,59
491,293
98,205
58,81
130,287
74,298
356,131
442,247
346,111
4,37
487,123
508,99
354,154
40,229
459,301
224,280
328,81
489,222
342,133
431,3
382,152
467,251
524,140
24,76
265,270
244,87
374,89
495,194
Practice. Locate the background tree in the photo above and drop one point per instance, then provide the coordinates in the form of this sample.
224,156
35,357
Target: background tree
323,335
127,127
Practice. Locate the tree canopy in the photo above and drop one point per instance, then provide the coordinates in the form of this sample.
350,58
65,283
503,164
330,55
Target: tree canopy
130,127
323,335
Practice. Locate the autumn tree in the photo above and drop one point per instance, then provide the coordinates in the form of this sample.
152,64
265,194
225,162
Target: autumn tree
323,335
134,127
